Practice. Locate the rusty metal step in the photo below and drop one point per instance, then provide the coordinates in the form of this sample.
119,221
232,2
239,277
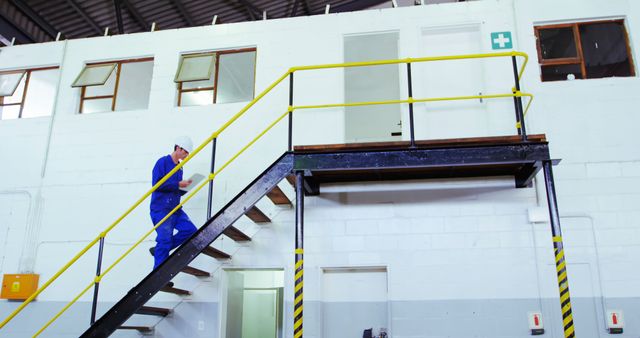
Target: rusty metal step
175,291
257,215
236,234
278,197
195,271
141,329
215,253
153,311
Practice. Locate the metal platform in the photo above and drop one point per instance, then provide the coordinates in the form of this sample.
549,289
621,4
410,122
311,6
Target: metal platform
454,158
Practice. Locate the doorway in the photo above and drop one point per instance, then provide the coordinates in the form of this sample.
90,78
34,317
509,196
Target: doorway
450,119
254,303
372,83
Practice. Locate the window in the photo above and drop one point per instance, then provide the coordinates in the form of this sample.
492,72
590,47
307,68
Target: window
115,85
216,77
28,93
584,50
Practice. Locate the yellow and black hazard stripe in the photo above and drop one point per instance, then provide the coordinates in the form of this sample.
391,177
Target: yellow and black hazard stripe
563,286
297,303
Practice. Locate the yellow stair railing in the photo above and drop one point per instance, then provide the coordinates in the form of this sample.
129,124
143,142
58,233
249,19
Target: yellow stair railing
290,109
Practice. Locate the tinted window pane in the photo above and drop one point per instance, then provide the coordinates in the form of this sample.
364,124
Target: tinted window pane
604,47
558,73
9,112
108,88
134,86
41,93
236,77
557,43
96,106
17,94
199,98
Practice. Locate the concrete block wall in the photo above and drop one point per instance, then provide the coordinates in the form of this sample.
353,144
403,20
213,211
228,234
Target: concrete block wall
462,257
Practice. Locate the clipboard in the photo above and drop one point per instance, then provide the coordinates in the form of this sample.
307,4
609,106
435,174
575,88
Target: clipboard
195,178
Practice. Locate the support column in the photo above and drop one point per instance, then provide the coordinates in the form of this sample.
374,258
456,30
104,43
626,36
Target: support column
299,255
561,267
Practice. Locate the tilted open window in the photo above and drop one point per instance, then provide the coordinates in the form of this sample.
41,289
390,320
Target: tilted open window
216,77
28,92
584,50
115,85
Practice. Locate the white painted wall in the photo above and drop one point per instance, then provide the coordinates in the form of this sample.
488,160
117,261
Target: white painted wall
440,241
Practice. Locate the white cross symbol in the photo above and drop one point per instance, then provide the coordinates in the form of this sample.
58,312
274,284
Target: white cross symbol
501,40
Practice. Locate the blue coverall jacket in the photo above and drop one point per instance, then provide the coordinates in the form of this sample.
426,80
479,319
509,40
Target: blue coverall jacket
163,200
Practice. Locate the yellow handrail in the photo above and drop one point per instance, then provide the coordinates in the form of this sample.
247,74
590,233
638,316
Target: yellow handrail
422,59
231,121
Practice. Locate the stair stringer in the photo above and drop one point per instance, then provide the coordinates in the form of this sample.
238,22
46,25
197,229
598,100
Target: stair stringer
181,257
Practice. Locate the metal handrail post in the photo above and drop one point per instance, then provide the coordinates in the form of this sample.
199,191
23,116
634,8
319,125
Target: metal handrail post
290,112
411,126
96,287
213,167
517,100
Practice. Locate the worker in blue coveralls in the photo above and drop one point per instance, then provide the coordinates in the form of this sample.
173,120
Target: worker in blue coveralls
167,197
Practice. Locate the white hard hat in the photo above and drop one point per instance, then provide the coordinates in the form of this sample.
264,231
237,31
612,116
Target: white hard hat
185,143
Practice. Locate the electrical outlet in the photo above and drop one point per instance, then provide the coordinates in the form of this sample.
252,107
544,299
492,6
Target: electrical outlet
201,325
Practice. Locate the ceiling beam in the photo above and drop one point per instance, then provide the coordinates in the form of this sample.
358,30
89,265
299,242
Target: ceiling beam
294,9
356,5
136,15
252,8
85,16
180,7
118,10
9,29
37,19
307,8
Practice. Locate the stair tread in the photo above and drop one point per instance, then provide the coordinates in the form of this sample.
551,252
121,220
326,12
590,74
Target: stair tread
195,271
257,215
292,180
137,328
175,291
215,253
277,196
236,234
153,311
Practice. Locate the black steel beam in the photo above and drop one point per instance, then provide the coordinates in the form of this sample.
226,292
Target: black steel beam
136,15
422,158
294,8
307,8
85,16
183,12
356,5
254,12
37,19
9,29
180,258
118,10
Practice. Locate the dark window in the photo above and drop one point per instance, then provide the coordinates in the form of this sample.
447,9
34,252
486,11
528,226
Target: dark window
585,50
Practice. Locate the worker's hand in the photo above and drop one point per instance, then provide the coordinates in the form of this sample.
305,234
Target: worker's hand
184,183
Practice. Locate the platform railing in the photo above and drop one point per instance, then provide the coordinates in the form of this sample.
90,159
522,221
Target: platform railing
95,282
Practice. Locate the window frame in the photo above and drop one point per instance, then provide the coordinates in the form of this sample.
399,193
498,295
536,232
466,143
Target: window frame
579,59
114,96
213,88
26,77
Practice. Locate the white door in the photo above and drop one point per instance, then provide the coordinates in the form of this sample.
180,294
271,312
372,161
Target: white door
260,315
372,83
450,119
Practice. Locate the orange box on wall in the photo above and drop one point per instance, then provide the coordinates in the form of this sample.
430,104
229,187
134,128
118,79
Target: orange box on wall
19,286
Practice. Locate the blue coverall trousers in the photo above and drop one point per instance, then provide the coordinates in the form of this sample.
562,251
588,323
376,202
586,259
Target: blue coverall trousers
166,240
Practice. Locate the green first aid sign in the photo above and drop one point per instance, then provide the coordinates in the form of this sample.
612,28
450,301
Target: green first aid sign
501,40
